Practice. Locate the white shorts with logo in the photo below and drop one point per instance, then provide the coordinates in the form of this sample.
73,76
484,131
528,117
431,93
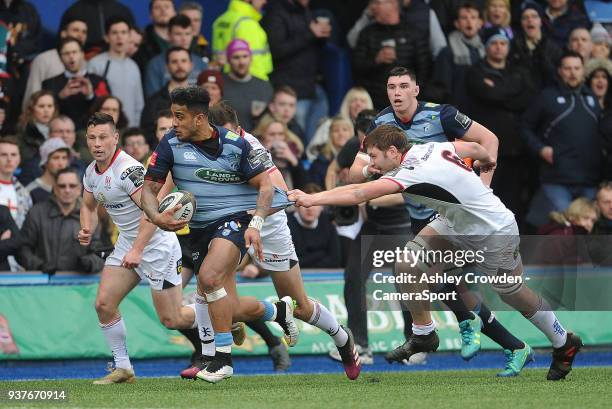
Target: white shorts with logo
278,250
161,263
500,250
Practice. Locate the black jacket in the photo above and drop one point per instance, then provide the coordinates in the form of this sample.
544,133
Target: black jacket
447,85
605,127
541,63
50,241
499,107
29,142
294,48
149,48
316,248
95,13
8,247
560,28
411,47
155,103
78,106
28,35
567,120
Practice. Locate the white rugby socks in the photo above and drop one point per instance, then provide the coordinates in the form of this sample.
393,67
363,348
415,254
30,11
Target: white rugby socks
423,329
115,335
323,319
205,328
547,322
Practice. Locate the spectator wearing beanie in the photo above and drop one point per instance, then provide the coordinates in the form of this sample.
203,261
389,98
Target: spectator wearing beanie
212,82
54,156
601,42
246,93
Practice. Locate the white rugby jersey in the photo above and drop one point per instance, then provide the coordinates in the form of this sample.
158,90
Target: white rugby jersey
433,175
113,189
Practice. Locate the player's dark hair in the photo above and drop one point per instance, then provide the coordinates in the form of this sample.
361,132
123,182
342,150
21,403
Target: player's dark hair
467,5
570,54
112,20
180,20
311,188
386,136
128,133
100,118
222,113
175,49
67,40
364,120
196,99
401,71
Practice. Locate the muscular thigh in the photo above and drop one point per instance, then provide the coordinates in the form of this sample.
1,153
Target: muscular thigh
167,302
115,283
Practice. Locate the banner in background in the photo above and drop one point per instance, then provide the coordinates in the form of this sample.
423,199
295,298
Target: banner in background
60,322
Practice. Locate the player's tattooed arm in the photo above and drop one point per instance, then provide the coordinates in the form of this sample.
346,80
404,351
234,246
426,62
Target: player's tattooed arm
264,186
148,198
152,191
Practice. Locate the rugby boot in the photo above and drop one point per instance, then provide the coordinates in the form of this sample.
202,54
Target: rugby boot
116,375
218,369
516,360
416,343
470,337
350,357
564,357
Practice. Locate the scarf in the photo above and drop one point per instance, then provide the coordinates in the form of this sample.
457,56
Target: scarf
459,46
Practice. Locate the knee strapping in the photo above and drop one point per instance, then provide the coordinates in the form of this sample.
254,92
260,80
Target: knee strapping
419,248
216,295
507,288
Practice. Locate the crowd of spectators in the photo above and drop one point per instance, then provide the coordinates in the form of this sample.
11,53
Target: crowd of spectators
537,73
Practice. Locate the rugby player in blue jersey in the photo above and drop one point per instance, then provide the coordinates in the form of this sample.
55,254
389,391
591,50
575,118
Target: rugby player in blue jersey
228,179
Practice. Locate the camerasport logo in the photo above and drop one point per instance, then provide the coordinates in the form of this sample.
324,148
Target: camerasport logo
7,342
218,176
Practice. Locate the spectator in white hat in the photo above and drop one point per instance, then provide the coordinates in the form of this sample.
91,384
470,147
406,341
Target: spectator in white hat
54,156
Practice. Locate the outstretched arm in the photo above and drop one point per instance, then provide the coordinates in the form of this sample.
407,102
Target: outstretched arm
346,195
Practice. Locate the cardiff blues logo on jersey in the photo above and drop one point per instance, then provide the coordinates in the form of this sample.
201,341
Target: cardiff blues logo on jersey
218,176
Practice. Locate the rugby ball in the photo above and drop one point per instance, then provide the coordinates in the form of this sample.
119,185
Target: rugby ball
181,197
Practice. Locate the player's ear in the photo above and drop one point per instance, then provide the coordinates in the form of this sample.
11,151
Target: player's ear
415,90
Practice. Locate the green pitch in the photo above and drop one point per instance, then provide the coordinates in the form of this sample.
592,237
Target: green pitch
587,388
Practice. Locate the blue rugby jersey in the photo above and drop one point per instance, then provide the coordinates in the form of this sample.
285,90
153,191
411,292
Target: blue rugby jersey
219,183
430,123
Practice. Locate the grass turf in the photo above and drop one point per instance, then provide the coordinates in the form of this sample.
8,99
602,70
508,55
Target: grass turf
584,388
